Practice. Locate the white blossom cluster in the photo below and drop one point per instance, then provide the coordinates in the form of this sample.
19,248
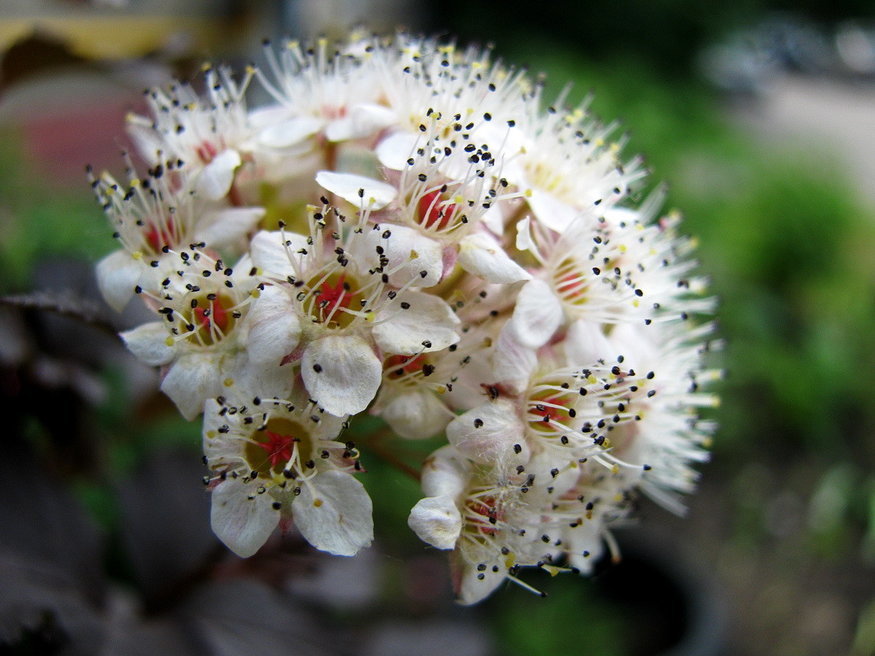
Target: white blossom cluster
403,229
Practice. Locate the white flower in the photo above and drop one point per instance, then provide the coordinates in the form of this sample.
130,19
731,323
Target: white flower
199,340
274,459
154,215
337,283
210,135
335,94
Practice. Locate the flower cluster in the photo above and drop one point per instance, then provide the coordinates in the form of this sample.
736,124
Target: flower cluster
404,230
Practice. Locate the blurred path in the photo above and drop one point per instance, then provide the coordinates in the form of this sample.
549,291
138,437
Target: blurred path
833,116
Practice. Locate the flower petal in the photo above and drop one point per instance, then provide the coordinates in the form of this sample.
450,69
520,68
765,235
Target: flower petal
334,513
241,518
290,132
360,121
341,373
550,211
445,473
271,251
436,521
228,226
274,327
394,151
216,178
585,343
149,343
362,192
414,323
537,314
412,256
512,362
191,380
416,415
117,275
483,256
490,434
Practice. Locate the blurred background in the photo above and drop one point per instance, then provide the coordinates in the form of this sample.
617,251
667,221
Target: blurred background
759,114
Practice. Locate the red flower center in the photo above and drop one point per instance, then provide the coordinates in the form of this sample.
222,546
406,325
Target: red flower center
333,296
278,447
214,315
433,212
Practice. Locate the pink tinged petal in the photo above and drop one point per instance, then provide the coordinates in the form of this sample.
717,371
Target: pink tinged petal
360,121
483,256
512,362
413,257
191,380
414,323
490,434
216,178
289,133
149,343
445,473
416,415
394,151
537,314
550,211
274,327
436,521
242,518
271,253
117,275
228,226
341,373
585,343
357,190
334,513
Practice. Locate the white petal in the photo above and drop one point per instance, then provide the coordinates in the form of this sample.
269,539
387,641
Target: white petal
241,522
360,121
436,521
490,434
394,151
537,314
274,327
216,178
191,380
358,190
550,211
445,473
416,415
427,324
483,256
585,343
117,275
289,133
149,343
341,373
228,226
334,513
271,251
512,362
524,241
471,585
410,255
493,219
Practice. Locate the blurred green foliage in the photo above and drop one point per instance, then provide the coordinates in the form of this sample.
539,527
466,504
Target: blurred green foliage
39,219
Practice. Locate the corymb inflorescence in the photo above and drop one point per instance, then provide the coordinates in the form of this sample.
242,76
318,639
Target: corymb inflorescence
405,229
